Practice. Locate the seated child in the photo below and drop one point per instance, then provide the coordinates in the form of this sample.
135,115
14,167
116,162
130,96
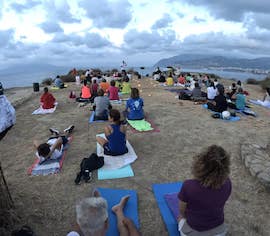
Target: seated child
53,148
169,80
104,85
126,86
101,106
134,106
47,100
115,142
113,91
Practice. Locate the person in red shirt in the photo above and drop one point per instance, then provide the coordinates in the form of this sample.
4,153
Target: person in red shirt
47,100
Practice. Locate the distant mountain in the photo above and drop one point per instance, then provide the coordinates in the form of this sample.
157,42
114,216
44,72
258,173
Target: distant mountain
204,61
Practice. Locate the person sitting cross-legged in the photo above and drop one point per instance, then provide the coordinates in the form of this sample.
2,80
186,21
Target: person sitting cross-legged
92,217
101,106
47,100
202,199
134,106
115,142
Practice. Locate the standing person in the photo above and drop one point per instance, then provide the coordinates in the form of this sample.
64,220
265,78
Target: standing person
115,142
202,199
113,91
101,106
47,100
134,106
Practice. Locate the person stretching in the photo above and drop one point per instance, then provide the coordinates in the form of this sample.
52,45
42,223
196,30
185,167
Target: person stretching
134,106
47,100
115,142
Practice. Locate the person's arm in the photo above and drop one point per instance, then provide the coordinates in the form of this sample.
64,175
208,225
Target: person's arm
107,131
57,143
233,96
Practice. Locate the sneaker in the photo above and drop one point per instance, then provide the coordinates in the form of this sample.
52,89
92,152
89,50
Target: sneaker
54,131
78,178
69,129
87,175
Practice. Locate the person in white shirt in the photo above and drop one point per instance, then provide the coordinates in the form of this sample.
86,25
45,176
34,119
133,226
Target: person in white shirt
211,91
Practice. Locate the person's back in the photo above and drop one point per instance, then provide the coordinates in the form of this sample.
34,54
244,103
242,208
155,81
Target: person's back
240,100
205,206
85,92
196,92
182,80
126,88
221,103
104,86
47,99
101,104
94,88
169,81
113,91
211,91
58,82
117,140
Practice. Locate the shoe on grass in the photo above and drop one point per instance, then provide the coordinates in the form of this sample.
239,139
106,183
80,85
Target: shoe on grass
54,131
69,129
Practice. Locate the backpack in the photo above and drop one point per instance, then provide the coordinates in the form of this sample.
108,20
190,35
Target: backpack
93,162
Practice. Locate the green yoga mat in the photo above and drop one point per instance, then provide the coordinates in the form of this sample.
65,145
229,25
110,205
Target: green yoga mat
140,125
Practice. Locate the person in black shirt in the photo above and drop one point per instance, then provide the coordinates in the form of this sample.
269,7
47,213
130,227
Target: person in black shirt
219,104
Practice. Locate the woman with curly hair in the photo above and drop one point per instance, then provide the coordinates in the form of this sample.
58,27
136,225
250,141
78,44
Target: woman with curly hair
202,199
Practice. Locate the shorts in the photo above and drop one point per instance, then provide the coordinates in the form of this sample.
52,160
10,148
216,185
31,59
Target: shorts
64,139
107,151
186,230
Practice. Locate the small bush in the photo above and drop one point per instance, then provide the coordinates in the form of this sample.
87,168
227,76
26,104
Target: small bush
265,83
67,78
47,81
252,81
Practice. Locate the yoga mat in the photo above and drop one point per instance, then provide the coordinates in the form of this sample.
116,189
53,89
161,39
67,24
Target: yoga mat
56,88
113,196
123,172
159,191
92,116
51,166
41,111
232,118
173,203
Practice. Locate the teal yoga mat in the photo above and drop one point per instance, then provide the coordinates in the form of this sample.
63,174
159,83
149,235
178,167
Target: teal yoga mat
123,172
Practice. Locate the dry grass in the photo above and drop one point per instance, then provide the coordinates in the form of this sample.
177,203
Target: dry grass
46,203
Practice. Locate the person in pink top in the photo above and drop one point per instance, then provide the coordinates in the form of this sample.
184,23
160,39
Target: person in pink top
113,91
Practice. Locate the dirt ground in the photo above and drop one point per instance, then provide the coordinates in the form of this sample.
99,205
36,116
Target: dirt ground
47,203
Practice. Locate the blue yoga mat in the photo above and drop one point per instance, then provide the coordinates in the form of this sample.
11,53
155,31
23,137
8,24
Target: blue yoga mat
160,190
123,172
232,118
113,197
92,117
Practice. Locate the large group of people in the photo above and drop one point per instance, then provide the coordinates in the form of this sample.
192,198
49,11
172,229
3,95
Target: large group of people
201,199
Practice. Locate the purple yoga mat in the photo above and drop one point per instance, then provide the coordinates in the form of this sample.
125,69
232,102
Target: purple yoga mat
173,203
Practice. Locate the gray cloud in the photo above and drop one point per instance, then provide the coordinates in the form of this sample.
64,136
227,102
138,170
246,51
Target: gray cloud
51,27
163,22
149,41
22,7
262,20
233,10
198,20
59,11
94,40
6,37
116,14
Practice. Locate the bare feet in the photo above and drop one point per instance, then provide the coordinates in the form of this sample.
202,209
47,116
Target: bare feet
120,206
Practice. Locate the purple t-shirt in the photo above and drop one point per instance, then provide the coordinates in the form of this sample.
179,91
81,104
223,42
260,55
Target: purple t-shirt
205,206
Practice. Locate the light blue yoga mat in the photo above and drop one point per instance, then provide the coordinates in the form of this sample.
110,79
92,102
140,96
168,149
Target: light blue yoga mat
92,117
160,190
113,196
232,118
123,172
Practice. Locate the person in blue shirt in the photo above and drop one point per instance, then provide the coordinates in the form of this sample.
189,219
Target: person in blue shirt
240,101
115,142
58,82
134,106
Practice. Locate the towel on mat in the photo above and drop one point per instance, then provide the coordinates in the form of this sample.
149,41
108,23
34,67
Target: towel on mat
113,196
49,166
160,190
123,172
41,111
140,125
116,162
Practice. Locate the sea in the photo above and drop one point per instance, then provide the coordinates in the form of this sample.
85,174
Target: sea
27,78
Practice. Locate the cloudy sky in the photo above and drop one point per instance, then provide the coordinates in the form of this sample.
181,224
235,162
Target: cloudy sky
105,32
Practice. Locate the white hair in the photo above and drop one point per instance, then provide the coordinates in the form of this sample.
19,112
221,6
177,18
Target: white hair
91,214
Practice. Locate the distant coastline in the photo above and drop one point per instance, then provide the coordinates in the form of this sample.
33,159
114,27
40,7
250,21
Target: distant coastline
11,80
